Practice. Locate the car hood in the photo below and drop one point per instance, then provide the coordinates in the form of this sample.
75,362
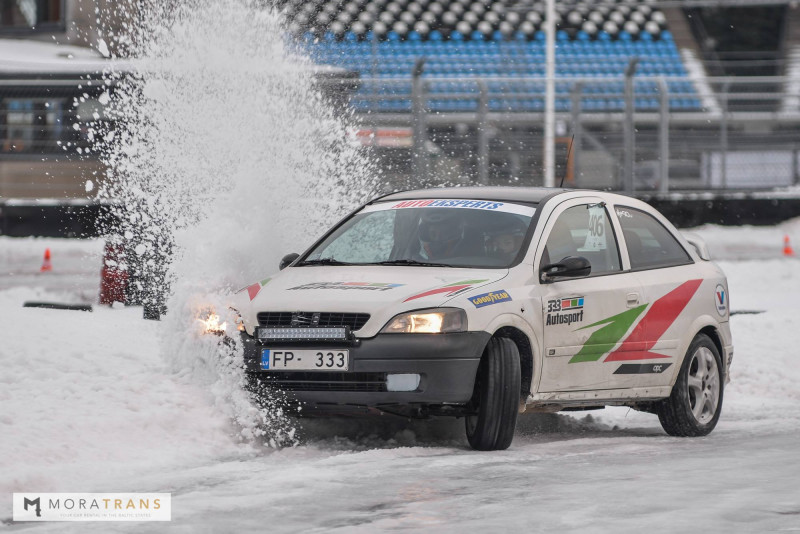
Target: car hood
381,291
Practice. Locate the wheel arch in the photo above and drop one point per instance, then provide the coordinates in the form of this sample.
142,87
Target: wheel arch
519,330
702,325
713,333
525,349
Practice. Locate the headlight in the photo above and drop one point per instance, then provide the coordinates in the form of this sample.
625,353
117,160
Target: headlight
433,321
211,324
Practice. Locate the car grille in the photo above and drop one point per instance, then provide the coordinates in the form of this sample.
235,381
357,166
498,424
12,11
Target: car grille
322,319
329,381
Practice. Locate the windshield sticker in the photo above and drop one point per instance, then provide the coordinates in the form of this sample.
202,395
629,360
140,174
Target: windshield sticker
483,205
254,289
624,214
449,290
492,297
368,286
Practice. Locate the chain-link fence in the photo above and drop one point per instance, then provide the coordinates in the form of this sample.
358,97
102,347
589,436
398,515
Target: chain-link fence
652,134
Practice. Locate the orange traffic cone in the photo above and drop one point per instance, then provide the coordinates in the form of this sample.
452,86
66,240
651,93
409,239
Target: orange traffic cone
46,265
787,248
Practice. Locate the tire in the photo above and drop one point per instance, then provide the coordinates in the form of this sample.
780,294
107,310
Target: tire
695,404
495,399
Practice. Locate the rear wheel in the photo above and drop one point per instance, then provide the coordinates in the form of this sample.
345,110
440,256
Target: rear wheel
495,399
694,406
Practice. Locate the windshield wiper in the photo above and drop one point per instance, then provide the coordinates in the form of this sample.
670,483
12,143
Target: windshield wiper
410,262
323,261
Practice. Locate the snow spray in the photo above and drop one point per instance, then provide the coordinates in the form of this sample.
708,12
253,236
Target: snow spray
226,156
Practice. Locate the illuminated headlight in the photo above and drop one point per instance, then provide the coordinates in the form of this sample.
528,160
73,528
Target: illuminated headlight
336,333
211,324
433,321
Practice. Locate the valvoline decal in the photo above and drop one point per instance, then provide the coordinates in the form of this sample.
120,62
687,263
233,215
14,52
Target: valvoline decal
492,297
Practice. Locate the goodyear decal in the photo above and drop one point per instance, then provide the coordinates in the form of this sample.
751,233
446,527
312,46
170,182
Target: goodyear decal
450,290
492,297
364,286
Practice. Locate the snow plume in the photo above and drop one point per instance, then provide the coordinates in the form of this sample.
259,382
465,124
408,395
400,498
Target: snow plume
226,156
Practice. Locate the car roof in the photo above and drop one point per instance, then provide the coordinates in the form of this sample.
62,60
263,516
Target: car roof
503,194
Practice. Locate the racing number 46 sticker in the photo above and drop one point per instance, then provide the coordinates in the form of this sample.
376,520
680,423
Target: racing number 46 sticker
596,235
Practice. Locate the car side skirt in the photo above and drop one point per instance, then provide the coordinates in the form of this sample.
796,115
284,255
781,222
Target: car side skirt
599,397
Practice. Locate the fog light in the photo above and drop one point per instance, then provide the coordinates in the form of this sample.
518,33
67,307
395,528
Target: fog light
402,382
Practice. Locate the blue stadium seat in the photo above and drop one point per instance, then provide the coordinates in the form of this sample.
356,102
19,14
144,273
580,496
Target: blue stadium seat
496,52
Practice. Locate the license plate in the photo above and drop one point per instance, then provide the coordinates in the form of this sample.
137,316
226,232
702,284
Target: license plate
304,360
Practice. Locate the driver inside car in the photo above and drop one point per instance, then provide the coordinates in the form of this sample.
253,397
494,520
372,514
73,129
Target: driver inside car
504,243
441,234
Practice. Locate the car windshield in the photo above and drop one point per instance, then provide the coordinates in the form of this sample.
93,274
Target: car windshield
432,232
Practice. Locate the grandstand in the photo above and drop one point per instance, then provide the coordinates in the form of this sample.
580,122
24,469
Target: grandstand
655,96
498,40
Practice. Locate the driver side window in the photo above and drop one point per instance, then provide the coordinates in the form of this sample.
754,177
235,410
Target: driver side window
584,230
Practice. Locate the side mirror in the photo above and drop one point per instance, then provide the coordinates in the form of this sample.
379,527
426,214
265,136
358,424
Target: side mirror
287,260
569,267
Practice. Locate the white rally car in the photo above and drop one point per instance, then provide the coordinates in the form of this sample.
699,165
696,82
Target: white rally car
485,302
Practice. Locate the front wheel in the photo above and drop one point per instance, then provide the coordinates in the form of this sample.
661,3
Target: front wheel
694,406
495,399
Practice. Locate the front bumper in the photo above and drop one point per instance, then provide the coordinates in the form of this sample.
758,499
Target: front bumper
447,365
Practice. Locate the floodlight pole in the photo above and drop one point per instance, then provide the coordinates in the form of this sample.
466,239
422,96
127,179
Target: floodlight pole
629,133
550,96
419,156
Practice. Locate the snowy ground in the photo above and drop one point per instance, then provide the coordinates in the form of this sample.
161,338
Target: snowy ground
89,404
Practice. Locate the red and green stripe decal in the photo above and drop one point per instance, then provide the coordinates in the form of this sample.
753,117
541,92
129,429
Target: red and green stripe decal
450,289
644,335
253,290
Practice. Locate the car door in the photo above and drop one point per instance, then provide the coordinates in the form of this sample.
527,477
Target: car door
670,286
584,318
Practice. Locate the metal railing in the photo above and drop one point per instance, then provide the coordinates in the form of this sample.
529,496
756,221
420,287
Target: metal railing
742,135
738,133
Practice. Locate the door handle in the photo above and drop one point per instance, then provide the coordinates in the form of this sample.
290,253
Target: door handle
633,299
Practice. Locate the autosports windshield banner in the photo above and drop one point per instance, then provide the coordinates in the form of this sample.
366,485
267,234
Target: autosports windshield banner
483,205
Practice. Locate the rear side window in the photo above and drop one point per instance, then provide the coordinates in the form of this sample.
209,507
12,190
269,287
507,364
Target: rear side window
650,245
